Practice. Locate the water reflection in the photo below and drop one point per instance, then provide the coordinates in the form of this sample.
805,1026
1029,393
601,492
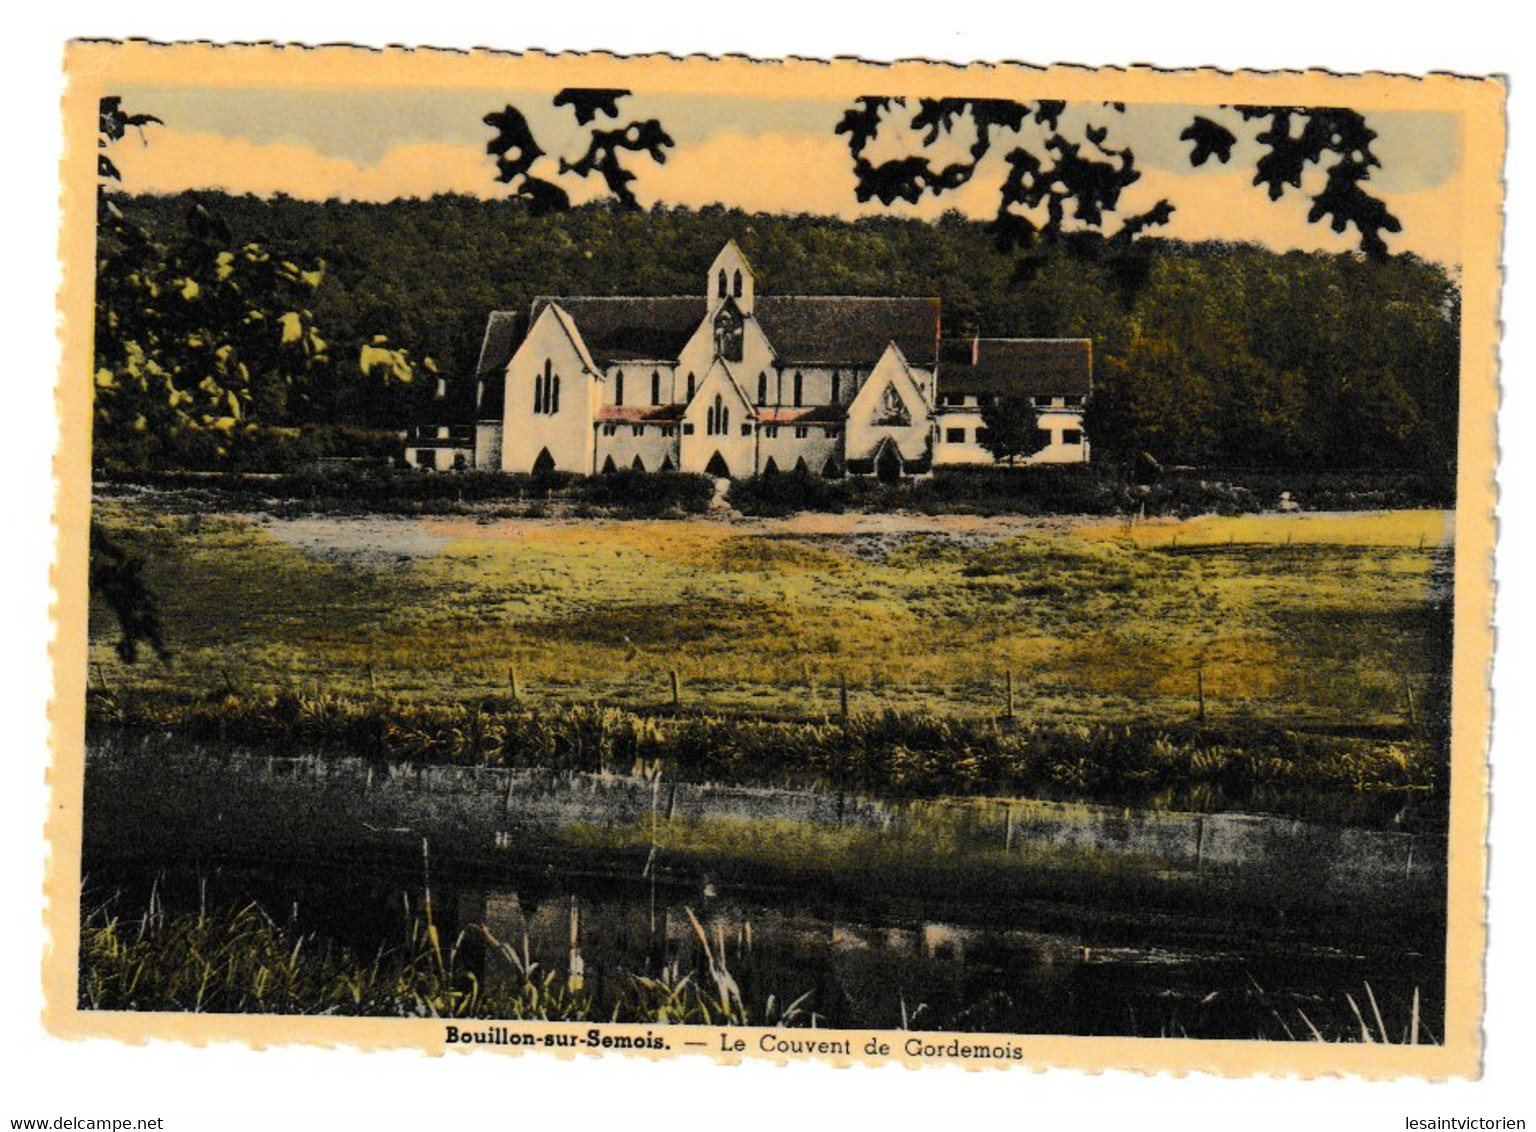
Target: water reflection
850,966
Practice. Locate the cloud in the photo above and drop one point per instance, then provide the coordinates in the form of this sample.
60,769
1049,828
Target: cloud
174,160
787,171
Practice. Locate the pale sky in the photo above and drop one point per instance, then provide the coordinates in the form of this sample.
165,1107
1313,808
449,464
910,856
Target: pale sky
756,154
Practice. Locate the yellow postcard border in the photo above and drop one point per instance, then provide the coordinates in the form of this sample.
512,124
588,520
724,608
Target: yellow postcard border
95,67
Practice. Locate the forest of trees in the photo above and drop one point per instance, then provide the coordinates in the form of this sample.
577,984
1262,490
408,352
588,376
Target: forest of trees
1208,354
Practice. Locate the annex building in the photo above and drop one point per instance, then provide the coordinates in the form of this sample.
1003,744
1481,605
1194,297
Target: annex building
731,383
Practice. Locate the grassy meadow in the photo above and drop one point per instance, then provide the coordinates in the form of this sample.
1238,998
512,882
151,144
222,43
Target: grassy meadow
1323,622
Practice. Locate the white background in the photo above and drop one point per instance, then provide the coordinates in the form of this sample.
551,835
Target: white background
229,1087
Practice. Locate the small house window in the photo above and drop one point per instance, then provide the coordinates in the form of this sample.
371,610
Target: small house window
1074,401
687,430
801,432
618,388
609,430
771,432
1072,436
639,430
833,432
746,430
982,436
1042,402
954,436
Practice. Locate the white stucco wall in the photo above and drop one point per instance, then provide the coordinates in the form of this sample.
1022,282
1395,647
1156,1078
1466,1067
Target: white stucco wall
567,433
487,447
651,446
864,435
698,447
785,449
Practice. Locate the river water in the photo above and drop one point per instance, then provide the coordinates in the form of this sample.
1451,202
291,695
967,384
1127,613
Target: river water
1000,966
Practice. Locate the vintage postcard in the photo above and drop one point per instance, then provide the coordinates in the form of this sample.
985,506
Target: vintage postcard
786,560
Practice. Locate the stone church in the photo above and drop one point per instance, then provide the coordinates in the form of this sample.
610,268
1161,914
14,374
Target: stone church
731,383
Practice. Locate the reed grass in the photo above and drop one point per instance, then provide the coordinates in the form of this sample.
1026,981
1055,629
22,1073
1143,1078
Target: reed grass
1193,766
239,959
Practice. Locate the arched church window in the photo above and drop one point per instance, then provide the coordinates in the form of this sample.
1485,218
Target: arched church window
736,285
554,394
762,388
721,287
690,387
837,386
655,387
799,388
618,388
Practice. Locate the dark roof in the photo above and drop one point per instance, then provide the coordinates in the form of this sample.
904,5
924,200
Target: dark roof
499,343
1030,366
630,329
640,414
837,330
816,414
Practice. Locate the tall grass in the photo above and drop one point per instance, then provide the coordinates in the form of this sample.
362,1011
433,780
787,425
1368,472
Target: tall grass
1192,766
241,960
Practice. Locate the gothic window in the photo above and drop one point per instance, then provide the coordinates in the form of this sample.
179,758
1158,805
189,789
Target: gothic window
725,419
892,410
736,285
762,388
554,394
837,386
721,288
690,387
728,334
618,388
799,388
655,387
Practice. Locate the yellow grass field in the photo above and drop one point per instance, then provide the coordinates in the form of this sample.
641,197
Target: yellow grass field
1299,619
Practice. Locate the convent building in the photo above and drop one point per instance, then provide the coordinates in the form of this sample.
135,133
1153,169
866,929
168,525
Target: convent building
731,383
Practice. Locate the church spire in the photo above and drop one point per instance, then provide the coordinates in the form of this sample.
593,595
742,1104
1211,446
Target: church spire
730,277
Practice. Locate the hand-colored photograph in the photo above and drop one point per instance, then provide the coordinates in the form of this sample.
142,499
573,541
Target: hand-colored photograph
950,565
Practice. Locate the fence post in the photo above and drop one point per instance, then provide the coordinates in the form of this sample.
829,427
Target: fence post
1413,715
517,696
677,691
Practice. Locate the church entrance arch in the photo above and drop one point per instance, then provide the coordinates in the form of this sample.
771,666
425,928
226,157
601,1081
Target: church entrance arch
888,463
717,467
544,464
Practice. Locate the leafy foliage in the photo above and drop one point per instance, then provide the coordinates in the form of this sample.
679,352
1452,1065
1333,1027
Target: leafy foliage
1088,176
1297,361
516,150
1299,136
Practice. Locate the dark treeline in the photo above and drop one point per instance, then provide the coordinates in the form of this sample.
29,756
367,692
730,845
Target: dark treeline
1205,354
